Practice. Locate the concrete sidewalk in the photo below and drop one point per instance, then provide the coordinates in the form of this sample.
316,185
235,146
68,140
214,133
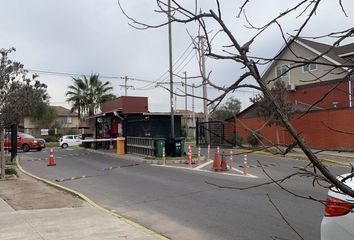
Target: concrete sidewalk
85,222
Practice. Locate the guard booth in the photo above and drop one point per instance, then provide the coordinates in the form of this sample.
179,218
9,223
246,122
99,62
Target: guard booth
144,133
147,134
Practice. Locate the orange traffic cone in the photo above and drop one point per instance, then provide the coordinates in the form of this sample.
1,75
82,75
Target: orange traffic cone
51,158
223,163
216,162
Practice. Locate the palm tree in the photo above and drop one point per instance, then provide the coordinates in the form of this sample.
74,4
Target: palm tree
75,96
87,94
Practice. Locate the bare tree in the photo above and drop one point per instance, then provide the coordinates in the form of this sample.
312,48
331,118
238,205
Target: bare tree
240,53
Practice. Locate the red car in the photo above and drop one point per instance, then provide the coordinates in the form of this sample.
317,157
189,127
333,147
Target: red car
25,142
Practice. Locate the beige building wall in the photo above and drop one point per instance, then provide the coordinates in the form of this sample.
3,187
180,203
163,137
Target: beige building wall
28,124
297,76
74,123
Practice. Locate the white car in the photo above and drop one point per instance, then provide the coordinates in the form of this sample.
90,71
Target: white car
70,140
338,221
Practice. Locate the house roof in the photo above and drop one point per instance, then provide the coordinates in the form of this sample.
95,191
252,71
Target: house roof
344,50
334,55
330,53
62,111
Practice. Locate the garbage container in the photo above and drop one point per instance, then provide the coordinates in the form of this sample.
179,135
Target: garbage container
120,145
174,147
159,145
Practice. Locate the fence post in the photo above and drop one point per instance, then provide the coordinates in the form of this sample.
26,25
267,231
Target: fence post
13,142
197,132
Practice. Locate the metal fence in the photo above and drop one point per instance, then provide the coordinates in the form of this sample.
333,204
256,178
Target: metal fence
141,145
212,133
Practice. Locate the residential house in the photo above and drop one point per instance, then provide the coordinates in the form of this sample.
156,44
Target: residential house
67,122
318,88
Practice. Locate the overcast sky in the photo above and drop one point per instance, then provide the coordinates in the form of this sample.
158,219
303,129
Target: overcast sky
92,36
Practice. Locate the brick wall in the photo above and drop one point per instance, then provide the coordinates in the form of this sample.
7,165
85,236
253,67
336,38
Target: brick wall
314,128
312,93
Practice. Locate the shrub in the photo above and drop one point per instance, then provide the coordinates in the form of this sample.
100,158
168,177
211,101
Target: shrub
51,138
236,139
254,138
10,171
239,140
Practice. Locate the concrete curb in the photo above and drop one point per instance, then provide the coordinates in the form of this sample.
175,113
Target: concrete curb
92,203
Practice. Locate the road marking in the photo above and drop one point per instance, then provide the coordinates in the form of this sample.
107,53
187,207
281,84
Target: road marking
73,178
208,171
58,157
204,164
123,166
241,171
263,165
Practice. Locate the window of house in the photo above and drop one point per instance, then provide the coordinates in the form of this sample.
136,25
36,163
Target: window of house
281,70
69,120
65,120
309,67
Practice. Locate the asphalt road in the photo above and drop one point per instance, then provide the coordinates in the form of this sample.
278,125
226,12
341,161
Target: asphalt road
179,202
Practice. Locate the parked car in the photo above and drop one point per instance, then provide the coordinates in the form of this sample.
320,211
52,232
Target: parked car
25,142
70,140
338,219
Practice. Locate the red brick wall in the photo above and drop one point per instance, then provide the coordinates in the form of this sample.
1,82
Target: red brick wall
311,126
311,94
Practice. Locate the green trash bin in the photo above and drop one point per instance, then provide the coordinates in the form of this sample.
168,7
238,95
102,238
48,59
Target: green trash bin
159,145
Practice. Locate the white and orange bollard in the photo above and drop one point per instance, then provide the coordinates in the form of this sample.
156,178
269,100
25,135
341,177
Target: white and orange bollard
189,156
208,152
163,156
245,165
51,158
231,161
198,155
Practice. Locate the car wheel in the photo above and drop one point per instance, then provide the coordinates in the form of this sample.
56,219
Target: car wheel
64,145
25,147
39,149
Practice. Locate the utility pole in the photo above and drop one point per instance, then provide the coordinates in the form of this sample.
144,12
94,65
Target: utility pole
205,95
185,90
125,85
193,116
171,69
